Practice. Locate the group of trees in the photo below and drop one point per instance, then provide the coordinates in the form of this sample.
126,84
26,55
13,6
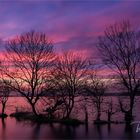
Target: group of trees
32,69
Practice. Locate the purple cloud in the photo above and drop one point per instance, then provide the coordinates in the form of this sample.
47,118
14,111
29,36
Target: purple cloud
70,24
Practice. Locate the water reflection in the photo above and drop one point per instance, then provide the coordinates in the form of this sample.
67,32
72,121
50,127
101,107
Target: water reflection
3,131
36,131
12,129
63,131
99,131
86,129
17,129
109,128
129,131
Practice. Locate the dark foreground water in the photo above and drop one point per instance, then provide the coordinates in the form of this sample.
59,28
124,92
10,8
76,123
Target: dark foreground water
11,129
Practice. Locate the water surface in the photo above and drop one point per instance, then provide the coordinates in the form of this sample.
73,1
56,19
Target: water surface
11,129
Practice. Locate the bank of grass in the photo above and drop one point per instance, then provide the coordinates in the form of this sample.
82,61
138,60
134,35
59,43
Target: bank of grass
28,116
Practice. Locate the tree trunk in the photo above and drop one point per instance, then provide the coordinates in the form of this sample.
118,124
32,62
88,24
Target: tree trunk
128,116
3,108
109,116
98,116
68,113
70,107
129,113
33,109
86,117
98,111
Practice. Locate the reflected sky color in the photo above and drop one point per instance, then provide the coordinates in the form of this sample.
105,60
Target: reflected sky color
70,24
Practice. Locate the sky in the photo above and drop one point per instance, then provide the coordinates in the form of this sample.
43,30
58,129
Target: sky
70,24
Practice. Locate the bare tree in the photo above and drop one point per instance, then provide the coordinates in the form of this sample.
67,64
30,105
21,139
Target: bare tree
120,50
4,94
29,56
68,76
95,88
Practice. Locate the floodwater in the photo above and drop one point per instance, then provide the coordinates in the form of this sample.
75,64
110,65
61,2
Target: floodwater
11,129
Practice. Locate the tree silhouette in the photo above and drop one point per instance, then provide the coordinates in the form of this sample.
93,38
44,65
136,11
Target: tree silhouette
120,50
68,77
95,88
29,56
4,94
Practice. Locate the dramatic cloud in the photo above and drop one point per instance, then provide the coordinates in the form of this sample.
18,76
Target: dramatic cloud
70,24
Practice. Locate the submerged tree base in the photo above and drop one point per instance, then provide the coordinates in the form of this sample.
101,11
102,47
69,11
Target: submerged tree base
107,122
71,121
3,115
28,116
